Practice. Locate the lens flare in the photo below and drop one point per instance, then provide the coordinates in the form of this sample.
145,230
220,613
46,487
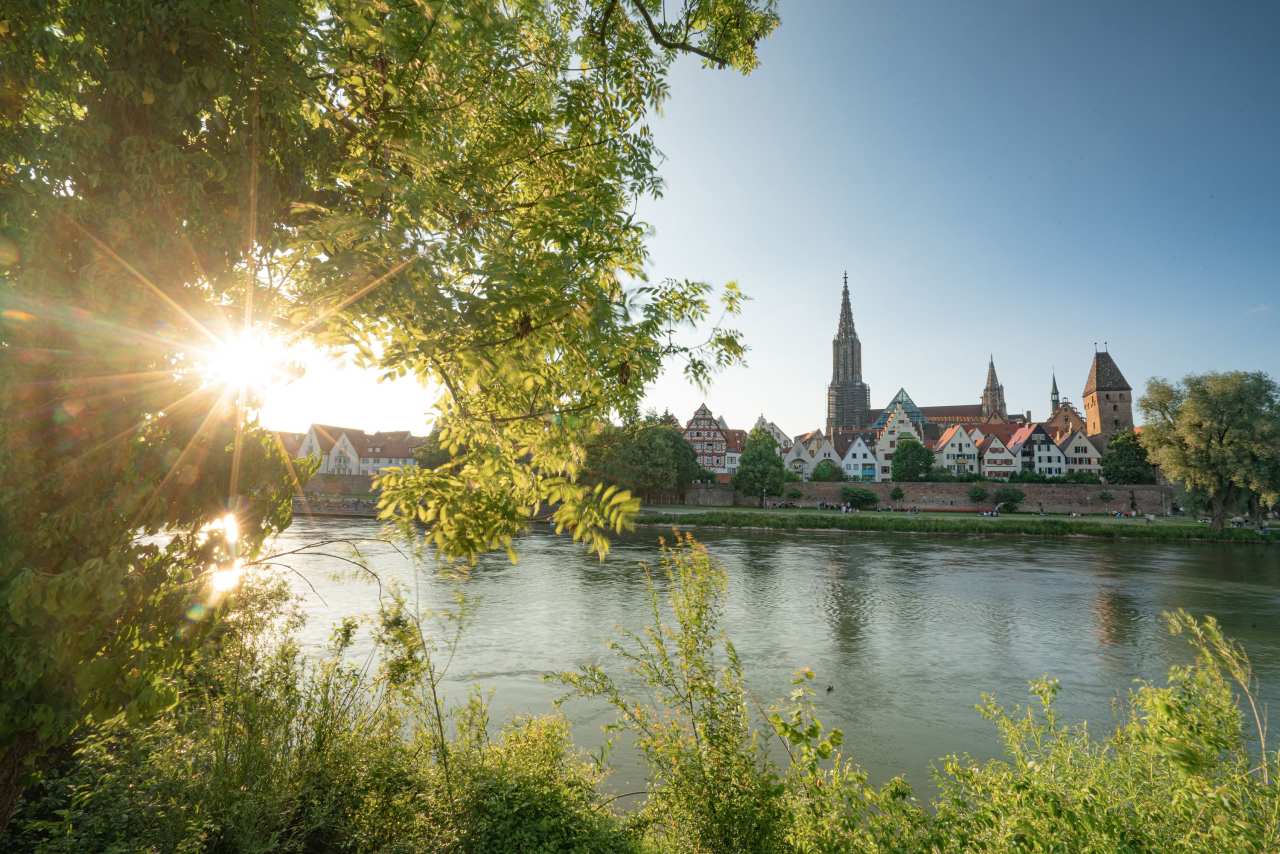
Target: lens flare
226,579
251,360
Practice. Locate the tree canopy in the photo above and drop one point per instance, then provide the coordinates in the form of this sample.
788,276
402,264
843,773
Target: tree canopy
911,461
1218,434
760,470
649,458
826,471
1125,460
447,188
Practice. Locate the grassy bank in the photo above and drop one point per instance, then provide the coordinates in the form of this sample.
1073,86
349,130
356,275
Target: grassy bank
1028,525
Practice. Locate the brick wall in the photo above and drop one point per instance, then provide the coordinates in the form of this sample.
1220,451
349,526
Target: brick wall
1052,497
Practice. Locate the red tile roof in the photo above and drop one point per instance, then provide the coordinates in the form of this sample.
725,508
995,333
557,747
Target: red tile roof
734,440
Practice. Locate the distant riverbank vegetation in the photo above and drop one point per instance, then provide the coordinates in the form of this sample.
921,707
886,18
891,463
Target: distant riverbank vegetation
951,523
268,752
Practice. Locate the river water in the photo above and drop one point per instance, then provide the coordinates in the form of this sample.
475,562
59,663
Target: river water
907,630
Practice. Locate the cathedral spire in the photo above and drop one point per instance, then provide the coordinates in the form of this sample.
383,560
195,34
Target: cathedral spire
845,327
993,395
1054,399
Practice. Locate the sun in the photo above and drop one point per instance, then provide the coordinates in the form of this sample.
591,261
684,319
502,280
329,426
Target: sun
251,360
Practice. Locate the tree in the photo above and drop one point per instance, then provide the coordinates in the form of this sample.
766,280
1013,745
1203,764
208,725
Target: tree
1009,497
862,499
1125,460
826,472
446,190
897,494
760,470
911,461
977,494
1218,434
649,458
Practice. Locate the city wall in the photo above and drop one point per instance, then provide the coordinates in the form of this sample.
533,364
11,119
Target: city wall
954,497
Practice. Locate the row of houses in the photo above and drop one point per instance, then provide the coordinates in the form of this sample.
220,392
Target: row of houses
996,450
345,450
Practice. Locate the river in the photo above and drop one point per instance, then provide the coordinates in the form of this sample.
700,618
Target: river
907,630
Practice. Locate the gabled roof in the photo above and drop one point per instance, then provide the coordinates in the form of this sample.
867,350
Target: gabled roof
290,442
395,443
327,435
908,405
1074,437
948,435
1104,375
1020,436
846,439
991,442
734,440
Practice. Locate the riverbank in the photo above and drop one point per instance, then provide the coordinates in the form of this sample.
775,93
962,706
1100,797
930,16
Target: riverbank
924,523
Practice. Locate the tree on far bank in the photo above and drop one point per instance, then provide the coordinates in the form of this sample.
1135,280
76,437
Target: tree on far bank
1009,498
826,472
650,458
1219,435
1125,461
911,461
760,470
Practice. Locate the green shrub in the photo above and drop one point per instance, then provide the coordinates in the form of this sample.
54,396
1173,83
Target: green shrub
794,494
826,472
977,494
856,496
897,494
1009,497
1105,496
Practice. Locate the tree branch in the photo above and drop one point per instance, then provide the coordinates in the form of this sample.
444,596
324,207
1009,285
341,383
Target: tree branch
668,43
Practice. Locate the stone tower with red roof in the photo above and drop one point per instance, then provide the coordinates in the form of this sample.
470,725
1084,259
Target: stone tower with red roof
1108,399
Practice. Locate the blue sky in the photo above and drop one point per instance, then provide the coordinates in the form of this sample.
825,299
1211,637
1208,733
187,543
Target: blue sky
1022,179
1014,178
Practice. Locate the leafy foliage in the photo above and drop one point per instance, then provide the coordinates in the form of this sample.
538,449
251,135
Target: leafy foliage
857,497
268,752
1125,460
760,469
1219,435
1008,498
826,471
977,494
445,188
648,457
911,461
897,494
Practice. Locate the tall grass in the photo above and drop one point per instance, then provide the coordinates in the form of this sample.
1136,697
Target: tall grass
905,522
269,753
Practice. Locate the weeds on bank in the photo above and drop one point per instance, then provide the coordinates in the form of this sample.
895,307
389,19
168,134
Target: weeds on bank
1029,525
267,752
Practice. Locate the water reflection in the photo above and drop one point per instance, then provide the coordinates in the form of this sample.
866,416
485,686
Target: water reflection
907,630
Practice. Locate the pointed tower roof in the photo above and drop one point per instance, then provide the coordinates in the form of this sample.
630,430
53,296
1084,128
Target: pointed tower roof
1054,390
1104,375
845,327
992,382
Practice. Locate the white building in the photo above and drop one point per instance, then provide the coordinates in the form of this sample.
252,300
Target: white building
807,450
783,440
956,451
1081,454
897,425
859,462
998,462
345,450
1038,451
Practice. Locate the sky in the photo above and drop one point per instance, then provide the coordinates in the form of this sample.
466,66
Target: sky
1016,179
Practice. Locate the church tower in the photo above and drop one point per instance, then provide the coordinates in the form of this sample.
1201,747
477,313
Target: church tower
848,397
1054,399
1108,398
993,408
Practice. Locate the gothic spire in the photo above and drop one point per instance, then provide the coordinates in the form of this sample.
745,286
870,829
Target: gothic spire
1054,398
993,405
845,328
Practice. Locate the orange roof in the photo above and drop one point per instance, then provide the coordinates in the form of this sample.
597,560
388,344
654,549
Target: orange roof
290,442
734,440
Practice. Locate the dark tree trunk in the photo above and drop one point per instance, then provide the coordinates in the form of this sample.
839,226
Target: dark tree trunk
13,761
1219,505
